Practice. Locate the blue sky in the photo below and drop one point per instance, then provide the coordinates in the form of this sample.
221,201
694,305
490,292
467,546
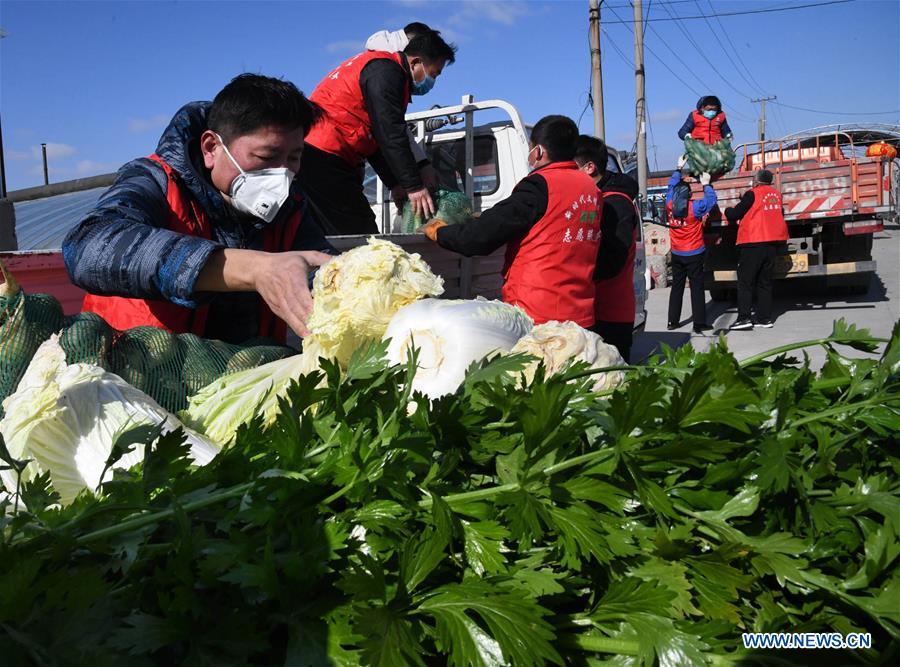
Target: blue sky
98,81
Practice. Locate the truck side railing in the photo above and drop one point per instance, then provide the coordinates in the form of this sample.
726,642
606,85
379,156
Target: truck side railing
780,145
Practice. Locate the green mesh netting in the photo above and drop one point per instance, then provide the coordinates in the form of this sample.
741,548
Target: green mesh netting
714,159
168,367
451,206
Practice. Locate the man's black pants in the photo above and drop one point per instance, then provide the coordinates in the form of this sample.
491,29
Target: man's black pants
335,188
688,267
756,267
618,334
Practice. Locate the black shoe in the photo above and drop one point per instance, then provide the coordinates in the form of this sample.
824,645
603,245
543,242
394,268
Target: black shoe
700,328
672,325
742,325
765,324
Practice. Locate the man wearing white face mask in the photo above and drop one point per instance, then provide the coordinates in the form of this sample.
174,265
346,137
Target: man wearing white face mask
365,101
209,235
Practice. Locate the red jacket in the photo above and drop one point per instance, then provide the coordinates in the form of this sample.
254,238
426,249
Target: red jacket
549,272
615,300
346,129
706,130
764,222
186,217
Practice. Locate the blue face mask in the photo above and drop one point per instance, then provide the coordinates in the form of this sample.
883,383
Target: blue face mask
710,114
423,86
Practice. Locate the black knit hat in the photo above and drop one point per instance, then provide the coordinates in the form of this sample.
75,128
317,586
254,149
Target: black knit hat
765,177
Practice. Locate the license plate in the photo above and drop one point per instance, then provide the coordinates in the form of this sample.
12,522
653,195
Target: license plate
792,264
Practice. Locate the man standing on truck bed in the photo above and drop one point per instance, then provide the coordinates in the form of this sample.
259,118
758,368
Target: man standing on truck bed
762,230
550,225
365,101
207,235
615,302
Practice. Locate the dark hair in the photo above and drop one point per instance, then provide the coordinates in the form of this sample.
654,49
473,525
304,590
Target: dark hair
709,99
765,177
559,135
252,101
415,28
681,199
591,149
431,47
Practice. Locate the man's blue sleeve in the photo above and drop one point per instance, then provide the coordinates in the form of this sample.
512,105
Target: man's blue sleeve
123,247
726,129
705,205
674,180
687,127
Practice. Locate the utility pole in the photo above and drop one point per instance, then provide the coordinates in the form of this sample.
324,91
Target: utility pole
596,74
640,102
762,118
46,172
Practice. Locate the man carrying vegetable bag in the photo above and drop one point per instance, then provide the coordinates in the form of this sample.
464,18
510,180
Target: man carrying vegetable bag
365,101
550,225
209,234
762,230
686,218
615,302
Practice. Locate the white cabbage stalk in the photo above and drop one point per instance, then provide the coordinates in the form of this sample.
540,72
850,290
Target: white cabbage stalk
222,406
450,335
558,344
357,293
65,417
354,297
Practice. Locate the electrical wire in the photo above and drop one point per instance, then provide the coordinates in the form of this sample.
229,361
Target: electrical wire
737,53
752,11
837,113
725,50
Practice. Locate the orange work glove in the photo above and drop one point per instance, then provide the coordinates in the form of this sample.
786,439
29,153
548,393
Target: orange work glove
430,229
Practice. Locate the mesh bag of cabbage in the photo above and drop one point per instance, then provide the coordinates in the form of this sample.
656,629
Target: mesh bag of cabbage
451,206
715,159
168,367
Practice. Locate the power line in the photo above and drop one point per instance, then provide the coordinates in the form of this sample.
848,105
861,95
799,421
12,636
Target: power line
701,52
722,46
752,11
839,113
737,53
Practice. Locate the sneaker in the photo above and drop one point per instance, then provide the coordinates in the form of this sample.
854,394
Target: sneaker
700,328
742,325
672,325
765,324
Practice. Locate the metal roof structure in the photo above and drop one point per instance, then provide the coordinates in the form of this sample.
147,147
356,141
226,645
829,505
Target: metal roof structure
42,224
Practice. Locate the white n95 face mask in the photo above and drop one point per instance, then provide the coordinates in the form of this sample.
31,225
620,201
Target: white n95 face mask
260,192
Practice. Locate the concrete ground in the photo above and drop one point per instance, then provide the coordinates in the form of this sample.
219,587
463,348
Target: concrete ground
800,312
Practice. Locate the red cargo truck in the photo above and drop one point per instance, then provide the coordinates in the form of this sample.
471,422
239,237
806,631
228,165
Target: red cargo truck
834,198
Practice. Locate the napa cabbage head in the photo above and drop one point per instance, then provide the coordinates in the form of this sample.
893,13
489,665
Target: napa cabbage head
558,344
66,417
450,335
357,293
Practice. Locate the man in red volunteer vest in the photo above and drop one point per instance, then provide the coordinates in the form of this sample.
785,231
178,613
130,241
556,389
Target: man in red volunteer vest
686,218
614,274
550,225
365,101
208,235
761,232
706,123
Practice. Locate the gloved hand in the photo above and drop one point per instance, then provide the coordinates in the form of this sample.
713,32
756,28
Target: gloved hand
688,136
682,161
430,229
705,178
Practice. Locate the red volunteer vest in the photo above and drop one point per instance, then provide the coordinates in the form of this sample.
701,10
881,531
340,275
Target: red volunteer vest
549,272
705,130
686,233
615,300
346,129
187,217
764,221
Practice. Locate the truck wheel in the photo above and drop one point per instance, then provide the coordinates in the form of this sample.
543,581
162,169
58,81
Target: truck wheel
862,286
